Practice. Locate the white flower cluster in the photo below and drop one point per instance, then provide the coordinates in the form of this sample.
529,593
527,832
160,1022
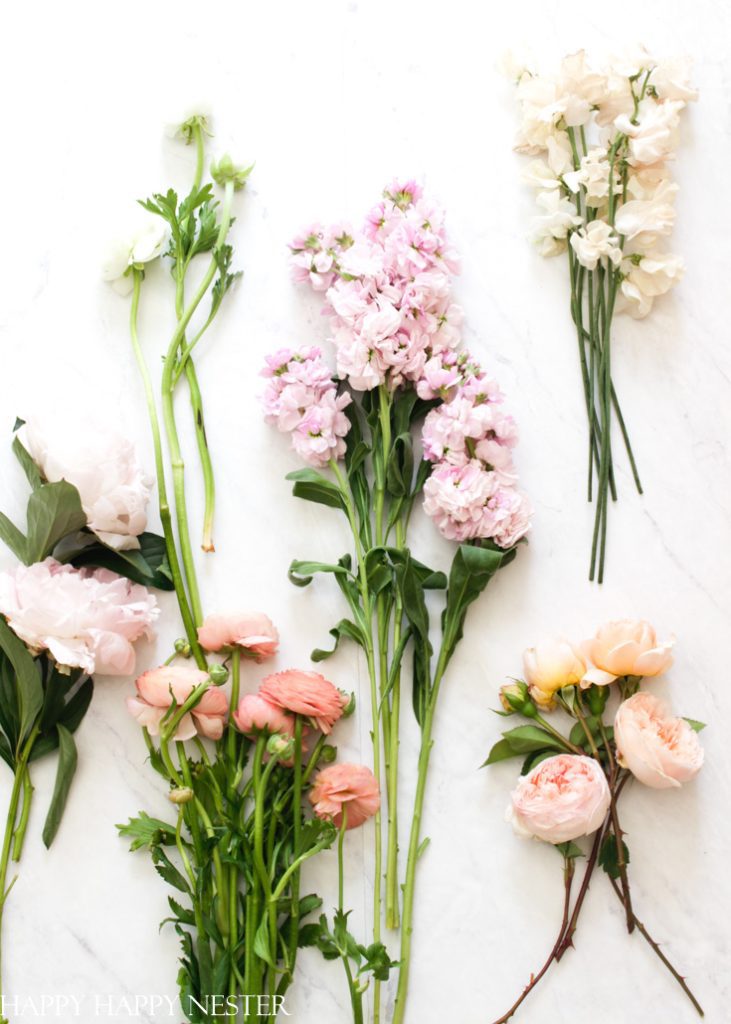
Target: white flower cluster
603,141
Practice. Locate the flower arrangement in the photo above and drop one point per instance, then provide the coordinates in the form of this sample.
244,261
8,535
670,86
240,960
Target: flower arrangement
604,140
570,785
70,610
238,767
395,330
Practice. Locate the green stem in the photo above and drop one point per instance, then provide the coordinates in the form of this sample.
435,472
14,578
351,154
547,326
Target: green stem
164,506
296,832
356,996
392,873
168,410
24,815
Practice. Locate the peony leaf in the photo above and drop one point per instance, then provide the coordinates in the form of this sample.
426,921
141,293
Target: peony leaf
13,538
27,677
24,457
147,564
67,759
54,511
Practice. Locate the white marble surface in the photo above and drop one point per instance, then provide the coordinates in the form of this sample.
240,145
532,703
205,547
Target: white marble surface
332,99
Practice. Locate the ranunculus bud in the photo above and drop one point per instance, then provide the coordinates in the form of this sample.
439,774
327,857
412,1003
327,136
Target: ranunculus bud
218,674
181,795
514,697
281,747
225,170
327,754
348,703
182,647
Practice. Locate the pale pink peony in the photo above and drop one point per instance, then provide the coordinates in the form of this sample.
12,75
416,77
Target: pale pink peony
159,687
104,469
256,715
562,798
253,632
660,750
345,788
626,647
84,618
305,693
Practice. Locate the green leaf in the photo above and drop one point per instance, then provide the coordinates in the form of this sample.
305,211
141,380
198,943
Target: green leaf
32,473
312,486
144,831
501,751
9,713
147,564
261,943
525,739
415,609
54,511
695,725
534,759
167,870
400,467
27,676
13,538
472,569
608,856
182,914
344,628
301,573
67,759
570,850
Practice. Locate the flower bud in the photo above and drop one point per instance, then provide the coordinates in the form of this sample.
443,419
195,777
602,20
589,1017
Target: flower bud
218,674
597,699
225,170
182,647
348,703
327,754
281,747
514,697
181,795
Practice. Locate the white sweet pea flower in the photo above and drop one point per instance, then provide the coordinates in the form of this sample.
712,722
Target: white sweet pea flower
596,240
645,219
104,469
593,174
632,62
671,80
551,228
145,243
616,100
547,174
646,277
514,65
654,137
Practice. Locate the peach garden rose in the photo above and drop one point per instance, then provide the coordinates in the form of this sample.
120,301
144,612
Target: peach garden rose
562,798
660,750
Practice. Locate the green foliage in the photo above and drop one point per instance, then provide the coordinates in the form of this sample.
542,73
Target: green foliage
609,856
337,943
313,486
145,832
67,759
147,564
525,739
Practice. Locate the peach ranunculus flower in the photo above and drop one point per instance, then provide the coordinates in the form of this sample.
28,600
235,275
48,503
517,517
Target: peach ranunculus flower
550,666
660,750
305,693
349,788
562,798
253,632
156,690
626,647
256,715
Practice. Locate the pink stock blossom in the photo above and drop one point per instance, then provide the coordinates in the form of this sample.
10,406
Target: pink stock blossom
84,618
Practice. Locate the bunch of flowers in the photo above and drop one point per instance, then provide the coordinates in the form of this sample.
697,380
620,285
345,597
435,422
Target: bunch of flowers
65,616
237,767
570,785
604,140
395,330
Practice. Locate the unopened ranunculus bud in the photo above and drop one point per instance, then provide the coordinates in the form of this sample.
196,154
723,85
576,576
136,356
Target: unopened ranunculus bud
327,754
348,700
225,170
514,697
218,674
181,795
281,746
182,647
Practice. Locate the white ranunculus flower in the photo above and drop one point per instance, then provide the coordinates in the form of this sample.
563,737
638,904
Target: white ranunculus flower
654,137
671,80
551,228
654,274
596,240
593,174
103,467
645,219
145,242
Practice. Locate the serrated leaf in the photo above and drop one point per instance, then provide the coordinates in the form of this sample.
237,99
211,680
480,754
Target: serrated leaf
144,831
695,725
570,850
608,855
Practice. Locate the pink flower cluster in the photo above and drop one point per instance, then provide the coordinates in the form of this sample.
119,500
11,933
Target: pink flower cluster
387,287
302,399
472,491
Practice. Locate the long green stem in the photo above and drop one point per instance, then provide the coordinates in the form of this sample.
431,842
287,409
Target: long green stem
392,872
164,506
24,815
356,996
